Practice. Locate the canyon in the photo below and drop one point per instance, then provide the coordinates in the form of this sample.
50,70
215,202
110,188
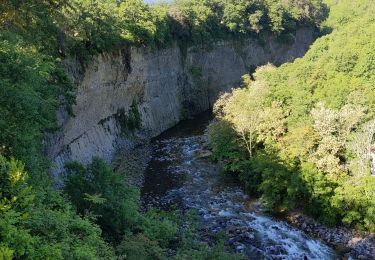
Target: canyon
161,86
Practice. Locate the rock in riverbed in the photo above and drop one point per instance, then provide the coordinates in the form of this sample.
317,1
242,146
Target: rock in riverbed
350,243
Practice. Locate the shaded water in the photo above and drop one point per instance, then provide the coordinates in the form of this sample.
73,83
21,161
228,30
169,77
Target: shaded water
181,173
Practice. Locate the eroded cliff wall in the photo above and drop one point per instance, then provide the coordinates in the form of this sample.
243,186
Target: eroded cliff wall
164,86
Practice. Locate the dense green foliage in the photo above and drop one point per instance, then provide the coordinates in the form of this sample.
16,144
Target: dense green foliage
301,135
30,86
81,26
40,224
203,20
100,194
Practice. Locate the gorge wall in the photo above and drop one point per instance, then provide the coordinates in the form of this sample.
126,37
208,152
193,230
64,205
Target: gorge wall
163,86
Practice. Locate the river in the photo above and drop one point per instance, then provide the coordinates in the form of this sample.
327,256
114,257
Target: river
181,173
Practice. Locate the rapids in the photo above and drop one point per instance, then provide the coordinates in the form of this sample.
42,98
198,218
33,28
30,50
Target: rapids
180,172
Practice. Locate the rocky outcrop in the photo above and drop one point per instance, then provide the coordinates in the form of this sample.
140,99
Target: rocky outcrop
160,86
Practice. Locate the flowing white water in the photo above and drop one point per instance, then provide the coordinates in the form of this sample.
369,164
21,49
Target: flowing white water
179,173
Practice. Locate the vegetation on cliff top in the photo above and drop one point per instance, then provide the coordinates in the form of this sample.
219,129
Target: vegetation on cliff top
81,26
301,135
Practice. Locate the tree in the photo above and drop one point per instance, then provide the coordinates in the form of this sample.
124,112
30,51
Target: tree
16,199
361,145
138,22
15,193
334,128
243,111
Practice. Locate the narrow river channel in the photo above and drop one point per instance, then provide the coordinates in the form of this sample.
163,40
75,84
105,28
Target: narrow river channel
180,172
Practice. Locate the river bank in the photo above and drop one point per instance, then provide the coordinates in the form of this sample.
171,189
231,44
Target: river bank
181,175
349,243
175,170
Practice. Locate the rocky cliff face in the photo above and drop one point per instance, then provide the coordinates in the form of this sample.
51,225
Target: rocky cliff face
161,87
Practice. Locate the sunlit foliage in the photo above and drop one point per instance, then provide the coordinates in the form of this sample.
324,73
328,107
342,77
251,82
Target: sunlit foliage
307,127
